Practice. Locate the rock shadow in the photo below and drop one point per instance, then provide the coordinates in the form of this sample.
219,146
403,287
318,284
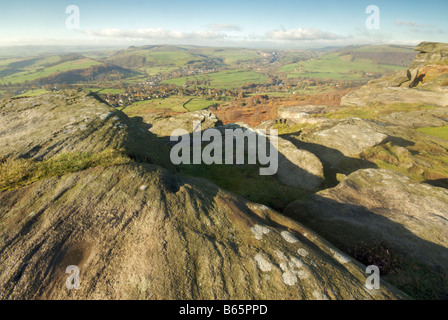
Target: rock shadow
422,269
333,160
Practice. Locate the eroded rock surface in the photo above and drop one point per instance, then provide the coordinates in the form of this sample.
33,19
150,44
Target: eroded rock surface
176,238
373,205
68,121
163,126
139,231
297,167
349,136
423,83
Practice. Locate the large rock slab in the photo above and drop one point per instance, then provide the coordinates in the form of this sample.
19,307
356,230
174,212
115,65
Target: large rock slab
140,232
430,53
373,205
423,82
389,95
163,126
298,112
44,126
69,121
297,167
418,119
349,136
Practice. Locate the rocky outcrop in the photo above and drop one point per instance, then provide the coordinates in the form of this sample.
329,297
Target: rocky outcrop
437,117
68,121
371,206
298,168
296,112
424,82
368,94
430,53
302,114
163,126
139,231
348,136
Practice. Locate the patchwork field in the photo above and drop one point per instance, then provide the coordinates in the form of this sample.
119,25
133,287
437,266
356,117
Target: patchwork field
28,70
106,91
227,79
173,103
33,93
441,132
335,67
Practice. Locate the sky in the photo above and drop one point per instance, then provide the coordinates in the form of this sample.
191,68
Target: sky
243,23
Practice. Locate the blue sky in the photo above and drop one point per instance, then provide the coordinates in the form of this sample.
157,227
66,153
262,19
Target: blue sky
249,23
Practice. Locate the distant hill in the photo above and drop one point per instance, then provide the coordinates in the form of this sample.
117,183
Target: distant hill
352,64
190,64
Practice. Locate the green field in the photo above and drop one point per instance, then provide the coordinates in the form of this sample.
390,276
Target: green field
106,90
33,93
334,67
5,62
41,72
271,94
384,48
228,79
173,103
199,104
441,132
155,57
163,59
230,56
152,71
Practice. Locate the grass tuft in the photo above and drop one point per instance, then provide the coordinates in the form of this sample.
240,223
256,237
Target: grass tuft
15,173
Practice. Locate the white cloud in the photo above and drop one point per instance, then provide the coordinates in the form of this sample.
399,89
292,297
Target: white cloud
418,27
224,27
302,34
403,23
155,33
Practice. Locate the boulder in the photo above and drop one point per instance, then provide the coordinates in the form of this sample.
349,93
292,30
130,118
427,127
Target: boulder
302,114
410,219
298,168
266,125
421,83
163,126
418,119
297,112
389,95
348,136
430,52
70,121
